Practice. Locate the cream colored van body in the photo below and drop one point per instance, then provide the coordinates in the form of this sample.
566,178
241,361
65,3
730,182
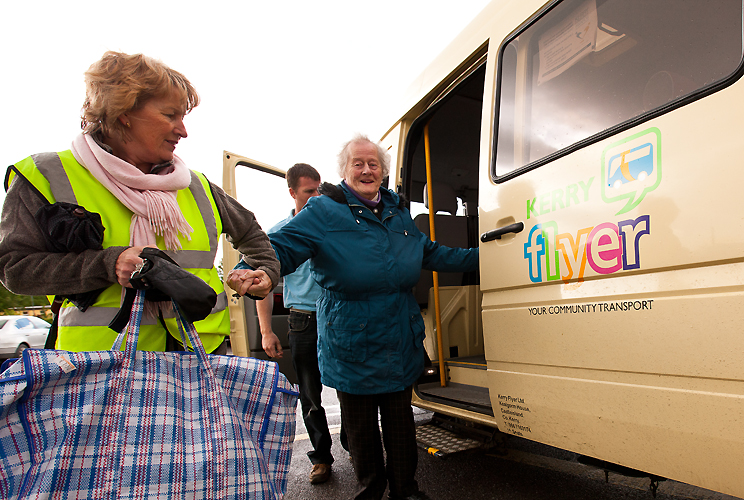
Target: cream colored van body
611,324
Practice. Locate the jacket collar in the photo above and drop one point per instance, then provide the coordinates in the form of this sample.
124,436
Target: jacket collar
340,194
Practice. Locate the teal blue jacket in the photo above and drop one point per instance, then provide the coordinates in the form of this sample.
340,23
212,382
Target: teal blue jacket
370,329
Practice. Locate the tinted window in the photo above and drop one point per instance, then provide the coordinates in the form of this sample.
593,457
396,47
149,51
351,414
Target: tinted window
2,322
23,323
587,66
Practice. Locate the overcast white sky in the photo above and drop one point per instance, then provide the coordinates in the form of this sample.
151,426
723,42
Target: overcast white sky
281,81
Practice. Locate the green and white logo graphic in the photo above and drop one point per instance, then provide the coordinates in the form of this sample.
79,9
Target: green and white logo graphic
631,168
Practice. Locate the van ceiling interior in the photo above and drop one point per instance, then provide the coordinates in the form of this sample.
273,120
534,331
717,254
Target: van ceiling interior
454,138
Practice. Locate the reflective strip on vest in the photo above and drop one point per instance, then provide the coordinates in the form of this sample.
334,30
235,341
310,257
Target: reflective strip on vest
198,259
51,167
96,316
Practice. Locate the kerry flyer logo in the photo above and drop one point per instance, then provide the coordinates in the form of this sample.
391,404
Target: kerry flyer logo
631,168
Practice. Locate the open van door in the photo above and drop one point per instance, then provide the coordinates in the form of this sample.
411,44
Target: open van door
436,154
245,334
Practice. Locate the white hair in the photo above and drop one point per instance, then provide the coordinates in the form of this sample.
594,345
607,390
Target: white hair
382,155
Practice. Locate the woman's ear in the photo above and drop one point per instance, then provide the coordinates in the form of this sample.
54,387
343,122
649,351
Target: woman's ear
124,120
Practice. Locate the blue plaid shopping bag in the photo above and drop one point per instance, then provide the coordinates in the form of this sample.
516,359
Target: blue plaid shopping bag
144,425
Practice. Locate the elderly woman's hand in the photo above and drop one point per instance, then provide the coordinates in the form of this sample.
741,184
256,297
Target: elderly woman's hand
249,281
127,262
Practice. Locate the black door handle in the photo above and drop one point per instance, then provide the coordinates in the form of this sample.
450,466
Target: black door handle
495,234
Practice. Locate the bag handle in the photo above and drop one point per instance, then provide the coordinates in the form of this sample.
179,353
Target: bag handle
132,330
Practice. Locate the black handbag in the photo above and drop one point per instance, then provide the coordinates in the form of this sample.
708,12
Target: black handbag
164,280
70,228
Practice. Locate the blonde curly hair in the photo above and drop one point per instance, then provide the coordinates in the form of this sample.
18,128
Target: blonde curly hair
119,83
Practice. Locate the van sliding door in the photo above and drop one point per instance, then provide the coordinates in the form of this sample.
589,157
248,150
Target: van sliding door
612,321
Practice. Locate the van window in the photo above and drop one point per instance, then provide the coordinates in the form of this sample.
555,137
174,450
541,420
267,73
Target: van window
587,66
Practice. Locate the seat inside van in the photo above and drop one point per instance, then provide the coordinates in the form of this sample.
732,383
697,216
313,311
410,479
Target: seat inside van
450,230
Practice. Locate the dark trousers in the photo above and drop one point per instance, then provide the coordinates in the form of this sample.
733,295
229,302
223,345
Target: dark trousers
359,415
303,340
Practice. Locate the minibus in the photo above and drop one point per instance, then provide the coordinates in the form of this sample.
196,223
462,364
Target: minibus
572,142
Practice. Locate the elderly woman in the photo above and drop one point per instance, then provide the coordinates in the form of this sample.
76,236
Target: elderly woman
366,255
122,167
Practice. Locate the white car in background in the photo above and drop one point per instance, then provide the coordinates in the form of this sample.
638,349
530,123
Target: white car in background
18,333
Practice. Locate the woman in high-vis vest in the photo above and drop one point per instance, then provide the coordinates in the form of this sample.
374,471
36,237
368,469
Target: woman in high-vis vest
123,167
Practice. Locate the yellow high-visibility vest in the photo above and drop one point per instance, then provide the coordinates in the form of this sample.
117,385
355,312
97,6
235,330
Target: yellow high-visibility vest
60,177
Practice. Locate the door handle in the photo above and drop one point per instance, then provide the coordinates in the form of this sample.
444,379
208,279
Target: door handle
495,234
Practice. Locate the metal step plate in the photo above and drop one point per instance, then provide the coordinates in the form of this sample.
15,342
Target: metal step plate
440,442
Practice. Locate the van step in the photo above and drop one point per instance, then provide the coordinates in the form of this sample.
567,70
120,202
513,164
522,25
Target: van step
441,442
468,397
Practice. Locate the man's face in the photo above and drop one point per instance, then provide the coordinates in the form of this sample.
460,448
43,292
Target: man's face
306,189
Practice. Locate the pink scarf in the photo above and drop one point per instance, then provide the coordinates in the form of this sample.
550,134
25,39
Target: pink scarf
152,198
